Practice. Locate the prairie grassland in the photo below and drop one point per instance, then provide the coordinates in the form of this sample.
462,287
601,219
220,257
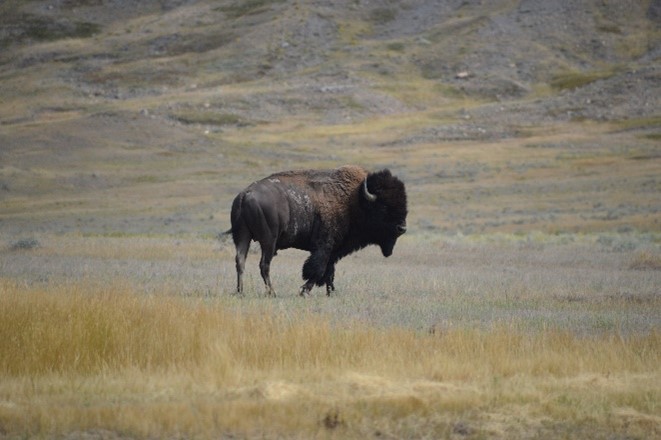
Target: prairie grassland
523,303
497,337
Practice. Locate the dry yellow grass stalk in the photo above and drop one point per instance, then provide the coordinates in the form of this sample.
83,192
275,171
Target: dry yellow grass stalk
83,356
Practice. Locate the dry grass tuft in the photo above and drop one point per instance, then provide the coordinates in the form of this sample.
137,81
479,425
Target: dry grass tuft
646,260
89,329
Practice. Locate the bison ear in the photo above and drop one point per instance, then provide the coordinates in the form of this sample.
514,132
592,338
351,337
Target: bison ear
368,195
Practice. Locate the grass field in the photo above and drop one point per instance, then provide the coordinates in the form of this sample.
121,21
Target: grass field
466,337
523,302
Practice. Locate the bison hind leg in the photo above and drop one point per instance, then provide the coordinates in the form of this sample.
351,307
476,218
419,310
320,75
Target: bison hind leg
268,251
242,241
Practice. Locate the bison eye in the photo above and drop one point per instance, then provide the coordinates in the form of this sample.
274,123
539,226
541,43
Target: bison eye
401,229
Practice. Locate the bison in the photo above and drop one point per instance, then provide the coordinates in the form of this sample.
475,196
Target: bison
330,213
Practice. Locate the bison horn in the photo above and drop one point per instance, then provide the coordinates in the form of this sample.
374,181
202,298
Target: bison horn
368,195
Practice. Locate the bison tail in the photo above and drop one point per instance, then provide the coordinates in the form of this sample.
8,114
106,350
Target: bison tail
222,236
238,228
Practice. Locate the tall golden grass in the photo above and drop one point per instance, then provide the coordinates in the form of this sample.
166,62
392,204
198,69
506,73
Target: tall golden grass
83,356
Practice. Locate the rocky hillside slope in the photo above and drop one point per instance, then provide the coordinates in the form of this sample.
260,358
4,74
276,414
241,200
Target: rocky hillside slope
89,83
489,51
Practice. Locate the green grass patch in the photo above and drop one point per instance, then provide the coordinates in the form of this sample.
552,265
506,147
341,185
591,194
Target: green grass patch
382,15
209,118
246,7
641,123
34,27
349,102
609,28
449,91
147,179
396,46
574,80
653,136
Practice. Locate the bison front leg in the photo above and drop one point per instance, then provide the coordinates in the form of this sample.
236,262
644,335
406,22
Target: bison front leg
306,288
329,278
314,271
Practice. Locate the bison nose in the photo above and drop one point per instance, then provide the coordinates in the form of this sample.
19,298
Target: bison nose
401,229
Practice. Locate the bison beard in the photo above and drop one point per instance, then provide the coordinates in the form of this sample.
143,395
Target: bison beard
330,213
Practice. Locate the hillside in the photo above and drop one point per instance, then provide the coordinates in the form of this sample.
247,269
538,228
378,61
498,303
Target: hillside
133,117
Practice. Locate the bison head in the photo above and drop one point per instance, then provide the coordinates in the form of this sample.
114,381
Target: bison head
384,200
